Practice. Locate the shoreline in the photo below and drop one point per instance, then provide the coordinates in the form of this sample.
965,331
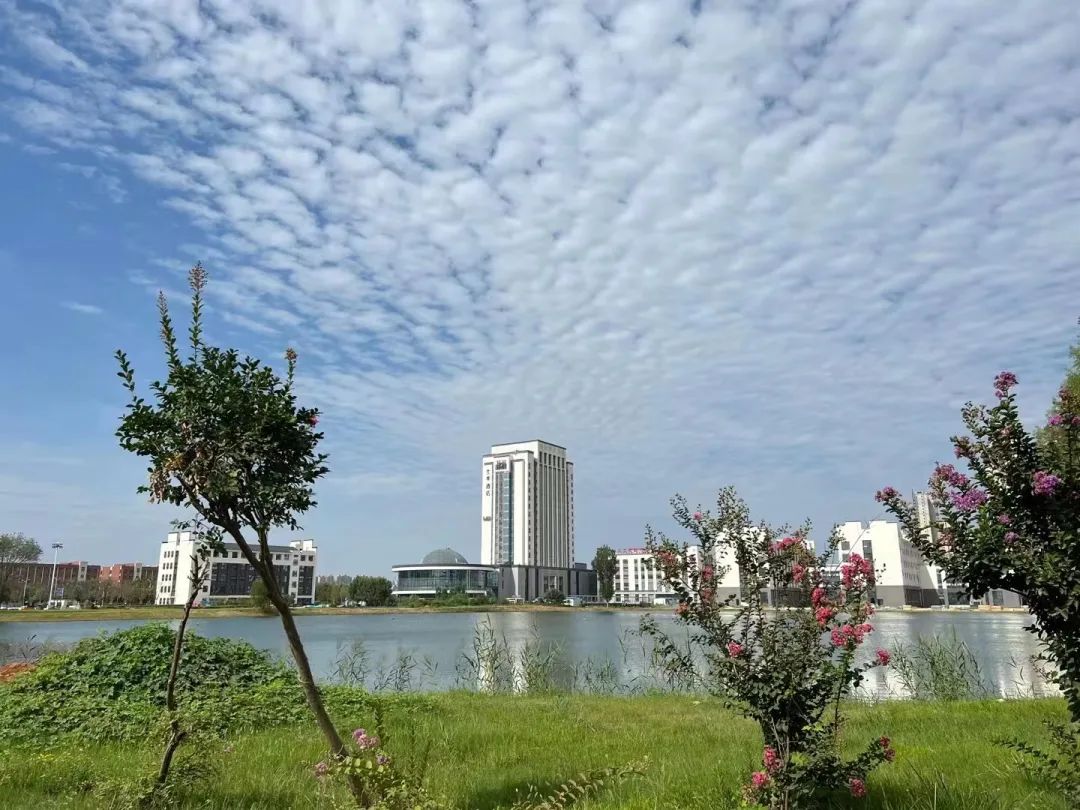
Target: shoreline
169,612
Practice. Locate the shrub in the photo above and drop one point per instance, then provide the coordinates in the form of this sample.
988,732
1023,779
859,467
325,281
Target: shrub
787,668
1012,521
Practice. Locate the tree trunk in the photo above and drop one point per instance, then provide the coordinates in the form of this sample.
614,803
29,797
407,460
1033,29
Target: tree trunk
176,735
265,570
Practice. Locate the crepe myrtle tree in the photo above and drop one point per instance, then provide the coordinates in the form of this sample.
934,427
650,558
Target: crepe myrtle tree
225,437
1012,519
789,666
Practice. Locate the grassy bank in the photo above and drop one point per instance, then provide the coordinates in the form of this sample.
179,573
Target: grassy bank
485,748
158,612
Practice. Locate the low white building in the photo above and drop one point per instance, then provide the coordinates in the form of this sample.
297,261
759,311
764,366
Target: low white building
638,580
230,576
903,576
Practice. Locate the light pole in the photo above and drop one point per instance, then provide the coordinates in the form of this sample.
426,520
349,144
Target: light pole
52,585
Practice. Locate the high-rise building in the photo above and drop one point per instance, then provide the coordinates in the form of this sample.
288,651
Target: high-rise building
230,576
527,513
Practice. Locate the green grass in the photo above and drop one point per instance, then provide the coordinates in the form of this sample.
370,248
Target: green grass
483,749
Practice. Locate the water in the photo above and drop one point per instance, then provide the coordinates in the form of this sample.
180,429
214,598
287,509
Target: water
438,641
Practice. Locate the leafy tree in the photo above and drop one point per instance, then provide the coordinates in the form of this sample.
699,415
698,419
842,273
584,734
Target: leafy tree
372,591
604,564
260,597
15,550
331,593
788,668
225,437
554,597
1013,521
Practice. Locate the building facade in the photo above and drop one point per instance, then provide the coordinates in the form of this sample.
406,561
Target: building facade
230,576
527,506
31,581
445,571
126,572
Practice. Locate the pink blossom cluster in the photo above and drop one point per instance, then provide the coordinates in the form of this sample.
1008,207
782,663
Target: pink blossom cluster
1003,382
783,545
886,495
365,741
856,571
734,649
948,474
1044,483
849,635
970,500
771,759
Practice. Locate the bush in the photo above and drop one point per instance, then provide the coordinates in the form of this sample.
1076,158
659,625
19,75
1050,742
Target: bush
788,669
113,686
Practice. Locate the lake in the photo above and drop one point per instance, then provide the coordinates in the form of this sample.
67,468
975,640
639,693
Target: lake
431,651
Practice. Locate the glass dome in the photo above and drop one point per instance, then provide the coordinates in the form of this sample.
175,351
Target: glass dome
444,556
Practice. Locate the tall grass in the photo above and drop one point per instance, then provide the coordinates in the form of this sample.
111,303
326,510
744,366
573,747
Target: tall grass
939,668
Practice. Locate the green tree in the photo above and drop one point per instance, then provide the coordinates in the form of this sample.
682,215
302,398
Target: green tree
1012,521
554,597
260,597
225,437
604,564
372,591
15,550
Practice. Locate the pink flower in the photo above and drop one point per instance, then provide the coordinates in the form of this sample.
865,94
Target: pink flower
798,573
706,594
841,635
697,516
759,779
1011,537
771,760
883,657
886,494
313,420
290,355
969,501
889,755
1004,520
1044,483
364,740
857,787
734,649
948,474
707,573
817,596
1055,419
823,615
382,759
884,742
1003,382
321,769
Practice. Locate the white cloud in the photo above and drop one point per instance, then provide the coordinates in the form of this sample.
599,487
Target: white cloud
695,248
85,309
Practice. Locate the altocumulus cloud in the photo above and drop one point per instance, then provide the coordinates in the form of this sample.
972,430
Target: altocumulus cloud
770,242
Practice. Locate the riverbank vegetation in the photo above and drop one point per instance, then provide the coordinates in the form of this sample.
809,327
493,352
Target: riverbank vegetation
253,745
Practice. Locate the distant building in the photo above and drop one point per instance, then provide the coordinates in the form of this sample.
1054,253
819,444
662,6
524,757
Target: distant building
903,577
527,508
230,575
445,571
126,572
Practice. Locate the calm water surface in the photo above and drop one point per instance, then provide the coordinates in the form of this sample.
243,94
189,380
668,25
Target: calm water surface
437,642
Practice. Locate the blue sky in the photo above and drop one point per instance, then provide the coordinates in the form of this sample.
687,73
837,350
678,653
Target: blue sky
771,244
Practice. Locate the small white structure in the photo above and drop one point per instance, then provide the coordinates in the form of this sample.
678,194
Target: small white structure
230,575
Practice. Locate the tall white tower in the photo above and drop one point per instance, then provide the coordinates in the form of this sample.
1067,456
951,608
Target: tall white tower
527,512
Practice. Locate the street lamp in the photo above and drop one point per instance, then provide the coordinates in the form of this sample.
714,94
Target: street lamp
52,585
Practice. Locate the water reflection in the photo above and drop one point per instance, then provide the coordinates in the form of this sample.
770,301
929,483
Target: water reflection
589,648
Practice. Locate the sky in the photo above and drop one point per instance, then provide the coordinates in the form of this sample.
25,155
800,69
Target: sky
771,244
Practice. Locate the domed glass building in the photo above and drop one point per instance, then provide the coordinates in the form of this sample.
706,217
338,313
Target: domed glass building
445,571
